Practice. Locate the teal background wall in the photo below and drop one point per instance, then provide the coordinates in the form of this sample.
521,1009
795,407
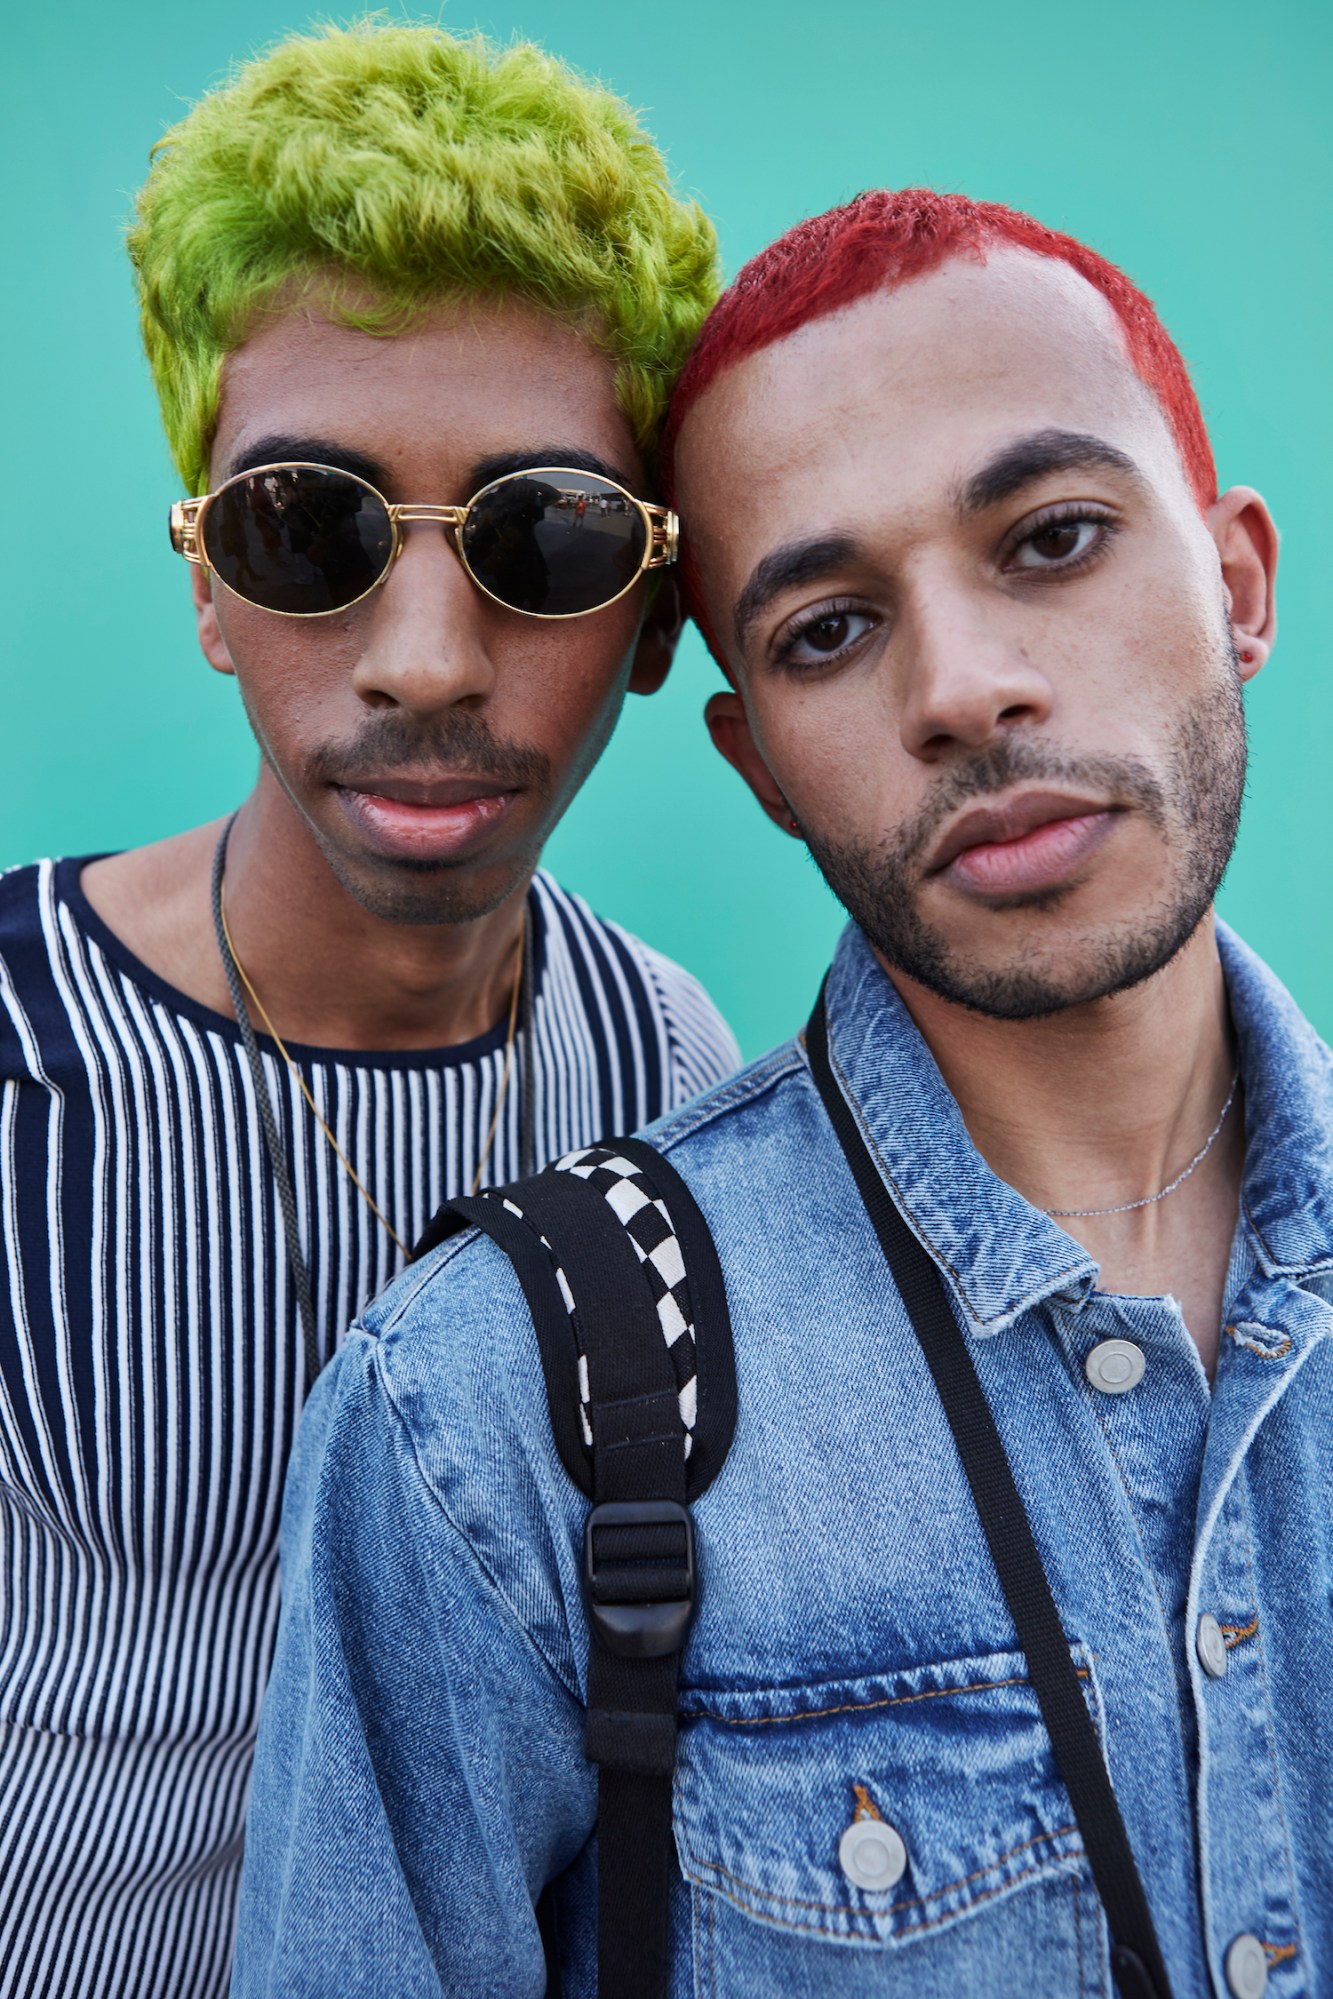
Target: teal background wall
1190,143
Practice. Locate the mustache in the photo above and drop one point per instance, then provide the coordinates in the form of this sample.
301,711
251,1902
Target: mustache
451,745
1023,760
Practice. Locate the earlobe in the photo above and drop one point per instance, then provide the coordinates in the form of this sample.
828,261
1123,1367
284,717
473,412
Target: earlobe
659,635
729,727
1247,547
211,642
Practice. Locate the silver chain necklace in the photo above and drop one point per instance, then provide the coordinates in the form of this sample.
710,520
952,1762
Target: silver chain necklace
1151,1200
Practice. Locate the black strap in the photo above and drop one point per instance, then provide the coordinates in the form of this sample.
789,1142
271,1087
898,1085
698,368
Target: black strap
639,1537
1136,1958
639,1575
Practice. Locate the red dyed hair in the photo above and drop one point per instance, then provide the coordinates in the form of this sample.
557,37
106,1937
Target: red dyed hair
884,239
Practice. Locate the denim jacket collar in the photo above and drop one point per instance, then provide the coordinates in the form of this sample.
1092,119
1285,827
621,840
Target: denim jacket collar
1287,1072
1000,1254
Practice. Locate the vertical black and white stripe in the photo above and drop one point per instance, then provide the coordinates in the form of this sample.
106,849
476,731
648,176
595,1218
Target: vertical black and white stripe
150,1371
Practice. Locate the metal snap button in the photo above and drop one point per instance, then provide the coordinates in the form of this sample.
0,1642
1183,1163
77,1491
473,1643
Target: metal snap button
1246,1967
1115,1366
871,1854
1211,1647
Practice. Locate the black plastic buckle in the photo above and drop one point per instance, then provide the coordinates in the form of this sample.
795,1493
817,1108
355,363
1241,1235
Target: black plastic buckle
1132,1980
648,1629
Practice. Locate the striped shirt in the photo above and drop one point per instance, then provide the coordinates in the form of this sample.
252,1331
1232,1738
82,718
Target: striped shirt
151,1371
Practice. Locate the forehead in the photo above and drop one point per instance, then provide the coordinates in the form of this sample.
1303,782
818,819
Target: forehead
468,380
898,396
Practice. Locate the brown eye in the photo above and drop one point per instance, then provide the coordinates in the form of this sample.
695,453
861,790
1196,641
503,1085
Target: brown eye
1054,542
1059,544
827,634
823,638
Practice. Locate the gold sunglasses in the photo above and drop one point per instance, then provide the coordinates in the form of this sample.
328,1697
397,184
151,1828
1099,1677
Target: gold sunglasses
308,540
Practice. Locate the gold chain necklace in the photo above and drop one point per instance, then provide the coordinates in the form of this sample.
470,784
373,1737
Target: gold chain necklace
300,1081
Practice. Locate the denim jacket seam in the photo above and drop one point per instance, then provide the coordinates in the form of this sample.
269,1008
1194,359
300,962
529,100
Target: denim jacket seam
863,1707
1094,1401
489,1578
923,1234
742,1090
1311,1267
894,1909
430,1267
1269,1742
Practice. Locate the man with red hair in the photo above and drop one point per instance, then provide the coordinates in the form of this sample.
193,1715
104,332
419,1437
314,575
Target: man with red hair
1015,1590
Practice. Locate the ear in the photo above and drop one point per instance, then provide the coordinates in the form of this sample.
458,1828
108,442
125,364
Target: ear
729,726
211,642
659,636
1246,538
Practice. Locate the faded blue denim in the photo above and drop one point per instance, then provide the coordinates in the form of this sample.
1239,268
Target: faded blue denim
420,1773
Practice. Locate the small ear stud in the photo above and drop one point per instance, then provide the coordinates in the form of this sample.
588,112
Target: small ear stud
1247,659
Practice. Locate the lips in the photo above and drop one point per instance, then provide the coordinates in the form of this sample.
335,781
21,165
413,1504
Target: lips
425,818
1022,845
428,791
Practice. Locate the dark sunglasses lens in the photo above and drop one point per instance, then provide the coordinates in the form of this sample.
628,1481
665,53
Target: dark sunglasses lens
298,538
556,543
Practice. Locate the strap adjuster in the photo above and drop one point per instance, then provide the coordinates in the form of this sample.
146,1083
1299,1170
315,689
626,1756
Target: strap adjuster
639,1584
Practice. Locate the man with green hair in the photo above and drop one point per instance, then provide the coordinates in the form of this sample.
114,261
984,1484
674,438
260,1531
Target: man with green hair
414,307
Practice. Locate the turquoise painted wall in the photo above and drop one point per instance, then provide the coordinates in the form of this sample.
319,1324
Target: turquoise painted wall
1190,143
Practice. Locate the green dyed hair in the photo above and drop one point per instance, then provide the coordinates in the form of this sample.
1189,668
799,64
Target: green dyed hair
421,167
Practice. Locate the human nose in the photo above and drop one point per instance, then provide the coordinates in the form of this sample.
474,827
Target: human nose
425,647
969,674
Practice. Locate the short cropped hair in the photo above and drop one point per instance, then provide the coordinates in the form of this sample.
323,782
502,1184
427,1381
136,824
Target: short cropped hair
421,167
884,239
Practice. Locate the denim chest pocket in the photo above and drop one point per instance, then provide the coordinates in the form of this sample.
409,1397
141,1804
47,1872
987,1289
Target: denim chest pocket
906,1832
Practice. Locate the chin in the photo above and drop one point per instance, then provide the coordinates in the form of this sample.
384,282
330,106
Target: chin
1048,976
416,893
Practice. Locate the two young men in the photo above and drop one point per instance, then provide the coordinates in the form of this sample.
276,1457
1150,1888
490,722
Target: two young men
384,274
954,531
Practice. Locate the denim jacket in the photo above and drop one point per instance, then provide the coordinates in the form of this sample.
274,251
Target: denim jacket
420,1773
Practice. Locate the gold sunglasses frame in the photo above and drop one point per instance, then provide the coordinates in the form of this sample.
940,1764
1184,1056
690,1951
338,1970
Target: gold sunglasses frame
662,528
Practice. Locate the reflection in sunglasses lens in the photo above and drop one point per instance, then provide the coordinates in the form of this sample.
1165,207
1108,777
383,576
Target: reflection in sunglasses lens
298,538
555,543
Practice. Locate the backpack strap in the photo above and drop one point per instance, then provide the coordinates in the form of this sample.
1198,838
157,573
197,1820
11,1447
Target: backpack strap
1136,1957
621,1276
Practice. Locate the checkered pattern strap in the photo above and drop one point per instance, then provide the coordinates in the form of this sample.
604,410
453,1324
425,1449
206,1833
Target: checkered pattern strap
673,1249
644,1217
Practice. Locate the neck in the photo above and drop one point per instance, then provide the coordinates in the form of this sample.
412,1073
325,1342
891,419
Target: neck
1102,1105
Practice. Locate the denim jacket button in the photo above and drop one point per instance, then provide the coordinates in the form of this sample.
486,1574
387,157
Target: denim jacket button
871,1854
1246,1967
1115,1366
1211,1647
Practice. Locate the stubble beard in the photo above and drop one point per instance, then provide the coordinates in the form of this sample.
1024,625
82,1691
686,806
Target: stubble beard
1194,804
405,889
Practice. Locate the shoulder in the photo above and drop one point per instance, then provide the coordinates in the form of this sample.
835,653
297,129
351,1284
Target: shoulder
21,896
30,950
642,989
450,1359
454,1331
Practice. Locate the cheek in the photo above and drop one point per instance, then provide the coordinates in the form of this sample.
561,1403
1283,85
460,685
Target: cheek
570,694
836,751
290,671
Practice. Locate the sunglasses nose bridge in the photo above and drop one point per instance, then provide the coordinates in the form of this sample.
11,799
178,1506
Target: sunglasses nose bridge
448,517
407,511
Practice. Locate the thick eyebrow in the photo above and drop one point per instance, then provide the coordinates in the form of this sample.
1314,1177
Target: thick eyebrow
283,450
566,457
1034,457
787,568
